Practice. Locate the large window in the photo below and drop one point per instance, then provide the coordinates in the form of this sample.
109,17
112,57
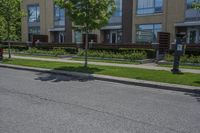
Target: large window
190,2
59,16
190,13
149,6
147,32
118,12
33,13
33,31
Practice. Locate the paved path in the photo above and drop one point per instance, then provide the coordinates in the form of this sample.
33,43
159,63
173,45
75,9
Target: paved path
32,102
150,67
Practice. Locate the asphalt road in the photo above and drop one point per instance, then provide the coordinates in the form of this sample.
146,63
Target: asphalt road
32,102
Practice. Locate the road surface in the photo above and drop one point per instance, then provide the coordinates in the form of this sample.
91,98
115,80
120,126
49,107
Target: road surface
32,102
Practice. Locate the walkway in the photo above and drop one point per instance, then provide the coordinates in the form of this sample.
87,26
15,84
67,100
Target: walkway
143,66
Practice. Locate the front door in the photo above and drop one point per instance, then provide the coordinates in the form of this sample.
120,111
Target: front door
61,37
193,36
113,37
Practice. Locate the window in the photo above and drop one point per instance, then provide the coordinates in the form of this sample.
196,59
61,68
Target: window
78,37
190,2
190,13
118,12
147,32
149,6
33,31
59,16
33,13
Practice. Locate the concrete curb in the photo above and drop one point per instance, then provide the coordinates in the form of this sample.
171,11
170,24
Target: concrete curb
143,83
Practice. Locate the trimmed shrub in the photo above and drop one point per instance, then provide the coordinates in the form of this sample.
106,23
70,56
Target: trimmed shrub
184,59
131,55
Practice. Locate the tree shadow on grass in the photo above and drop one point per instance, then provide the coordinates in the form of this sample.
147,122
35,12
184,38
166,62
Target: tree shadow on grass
53,77
197,82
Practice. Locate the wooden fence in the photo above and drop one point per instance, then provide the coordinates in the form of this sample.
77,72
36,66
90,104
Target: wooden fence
189,47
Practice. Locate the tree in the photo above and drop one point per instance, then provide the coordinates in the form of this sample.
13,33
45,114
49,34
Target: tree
11,14
196,5
2,28
88,15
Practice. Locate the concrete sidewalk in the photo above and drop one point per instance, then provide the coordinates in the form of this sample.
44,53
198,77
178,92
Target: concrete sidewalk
150,67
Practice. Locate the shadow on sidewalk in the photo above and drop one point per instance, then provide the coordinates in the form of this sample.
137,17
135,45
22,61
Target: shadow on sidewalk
51,76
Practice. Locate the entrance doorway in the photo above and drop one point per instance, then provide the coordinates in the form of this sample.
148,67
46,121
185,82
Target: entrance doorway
113,37
193,35
61,37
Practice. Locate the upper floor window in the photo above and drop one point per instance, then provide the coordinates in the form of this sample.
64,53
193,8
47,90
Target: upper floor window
190,13
33,13
118,12
149,6
59,16
147,32
190,2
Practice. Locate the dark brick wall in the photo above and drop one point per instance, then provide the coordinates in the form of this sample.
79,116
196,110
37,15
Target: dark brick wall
68,30
127,20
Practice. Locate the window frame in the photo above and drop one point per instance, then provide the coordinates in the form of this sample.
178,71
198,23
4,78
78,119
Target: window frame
153,8
152,31
31,33
118,13
38,12
58,20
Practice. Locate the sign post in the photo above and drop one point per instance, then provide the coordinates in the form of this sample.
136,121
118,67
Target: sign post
179,51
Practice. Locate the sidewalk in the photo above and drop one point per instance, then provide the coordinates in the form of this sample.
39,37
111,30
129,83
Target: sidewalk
143,66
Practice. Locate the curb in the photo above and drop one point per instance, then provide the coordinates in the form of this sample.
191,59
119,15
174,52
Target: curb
143,83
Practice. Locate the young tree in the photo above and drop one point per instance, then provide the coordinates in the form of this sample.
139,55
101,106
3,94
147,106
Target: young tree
88,15
11,14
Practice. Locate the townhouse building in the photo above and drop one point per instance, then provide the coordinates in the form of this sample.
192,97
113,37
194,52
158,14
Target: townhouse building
134,21
147,17
43,18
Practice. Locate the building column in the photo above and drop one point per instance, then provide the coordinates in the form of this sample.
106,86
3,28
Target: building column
68,30
127,21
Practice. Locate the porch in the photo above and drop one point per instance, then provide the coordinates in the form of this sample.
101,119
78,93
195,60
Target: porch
191,30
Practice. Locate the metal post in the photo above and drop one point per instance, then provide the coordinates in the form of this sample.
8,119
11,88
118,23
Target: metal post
179,50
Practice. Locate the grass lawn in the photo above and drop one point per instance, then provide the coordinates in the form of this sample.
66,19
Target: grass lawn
104,60
134,73
37,56
181,66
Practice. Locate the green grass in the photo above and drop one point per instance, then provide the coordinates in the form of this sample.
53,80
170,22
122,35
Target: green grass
181,66
106,61
37,56
133,73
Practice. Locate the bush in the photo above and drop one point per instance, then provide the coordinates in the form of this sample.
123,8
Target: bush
53,52
184,59
41,51
128,55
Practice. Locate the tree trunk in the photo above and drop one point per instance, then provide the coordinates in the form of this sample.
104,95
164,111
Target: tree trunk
86,49
9,50
8,39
